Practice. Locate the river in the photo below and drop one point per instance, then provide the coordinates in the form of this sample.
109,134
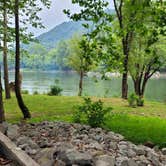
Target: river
68,81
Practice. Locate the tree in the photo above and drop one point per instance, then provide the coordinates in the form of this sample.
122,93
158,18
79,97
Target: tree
20,101
4,7
148,51
29,9
125,11
146,61
80,57
36,58
61,55
2,115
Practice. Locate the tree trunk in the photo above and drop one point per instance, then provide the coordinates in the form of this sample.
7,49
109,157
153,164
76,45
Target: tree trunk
81,83
20,101
143,87
5,65
125,70
2,114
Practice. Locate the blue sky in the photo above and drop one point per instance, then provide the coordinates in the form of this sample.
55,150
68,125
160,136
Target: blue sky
54,16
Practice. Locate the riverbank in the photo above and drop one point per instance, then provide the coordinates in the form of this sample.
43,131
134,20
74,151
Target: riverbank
139,125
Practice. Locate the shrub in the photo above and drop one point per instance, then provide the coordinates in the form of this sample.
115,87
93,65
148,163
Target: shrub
25,92
77,116
140,102
132,100
35,93
55,90
135,100
93,112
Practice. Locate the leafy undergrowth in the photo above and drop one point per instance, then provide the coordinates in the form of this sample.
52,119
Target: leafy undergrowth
138,125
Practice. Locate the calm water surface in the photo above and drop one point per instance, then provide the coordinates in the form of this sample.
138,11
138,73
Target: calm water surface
41,82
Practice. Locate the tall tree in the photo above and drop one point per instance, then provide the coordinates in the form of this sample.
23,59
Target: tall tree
80,56
95,11
148,51
5,63
20,101
2,114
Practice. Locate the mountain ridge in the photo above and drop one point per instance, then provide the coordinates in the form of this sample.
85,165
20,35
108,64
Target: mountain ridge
60,32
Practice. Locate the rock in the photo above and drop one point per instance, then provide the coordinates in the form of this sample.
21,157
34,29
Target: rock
12,132
95,145
131,162
149,144
139,151
59,163
142,161
3,127
78,145
122,161
153,157
163,151
113,145
72,156
131,153
23,146
43,143
45,157
30,151
104,160
23,140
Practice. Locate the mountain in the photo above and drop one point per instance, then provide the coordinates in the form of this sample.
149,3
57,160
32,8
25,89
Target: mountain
63,31
60,32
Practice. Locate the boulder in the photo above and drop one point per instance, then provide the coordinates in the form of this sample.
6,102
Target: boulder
13,132
72,156
45,157
104,160
3,127
163,151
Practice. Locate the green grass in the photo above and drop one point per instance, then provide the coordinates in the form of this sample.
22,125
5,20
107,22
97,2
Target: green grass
139,129
138,125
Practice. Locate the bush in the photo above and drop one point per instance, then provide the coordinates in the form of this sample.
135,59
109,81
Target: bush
92,112
135,100
35,93
25,92
55,90
132,100
140,102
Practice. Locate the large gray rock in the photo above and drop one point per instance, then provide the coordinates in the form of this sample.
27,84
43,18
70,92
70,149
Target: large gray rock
13,132
3,127
122,161
131,162
23,140
45,157
139,150
104,160
163,151
72,156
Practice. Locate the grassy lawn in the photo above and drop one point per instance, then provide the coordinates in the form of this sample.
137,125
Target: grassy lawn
138,125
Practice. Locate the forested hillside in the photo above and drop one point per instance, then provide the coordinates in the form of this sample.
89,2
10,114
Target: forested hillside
61,32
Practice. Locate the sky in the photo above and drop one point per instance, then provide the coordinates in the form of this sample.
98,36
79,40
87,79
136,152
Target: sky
54,16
